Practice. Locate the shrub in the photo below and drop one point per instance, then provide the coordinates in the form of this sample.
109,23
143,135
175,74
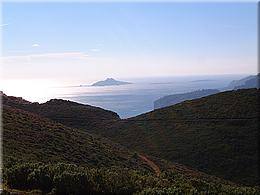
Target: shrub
16,176
70,179
73,183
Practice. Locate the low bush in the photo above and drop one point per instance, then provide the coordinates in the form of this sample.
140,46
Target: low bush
71,179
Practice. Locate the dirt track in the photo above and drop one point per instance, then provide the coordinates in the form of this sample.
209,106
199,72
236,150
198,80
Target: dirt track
151,164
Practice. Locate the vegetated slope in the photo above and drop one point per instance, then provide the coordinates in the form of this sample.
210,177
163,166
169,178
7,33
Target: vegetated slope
42,157
216,134
69,113
28,137
177,98
50,157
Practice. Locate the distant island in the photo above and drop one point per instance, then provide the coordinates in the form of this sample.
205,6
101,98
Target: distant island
110,82
203,80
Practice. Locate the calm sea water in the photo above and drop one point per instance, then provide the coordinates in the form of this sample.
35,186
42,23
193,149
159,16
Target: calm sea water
134,99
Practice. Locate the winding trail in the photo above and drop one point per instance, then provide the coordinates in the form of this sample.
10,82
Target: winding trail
151,164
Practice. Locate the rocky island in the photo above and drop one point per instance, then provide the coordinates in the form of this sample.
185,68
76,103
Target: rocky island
110,82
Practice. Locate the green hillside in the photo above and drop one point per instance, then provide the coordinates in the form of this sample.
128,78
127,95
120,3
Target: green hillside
42,155
69,113
215,134
28,137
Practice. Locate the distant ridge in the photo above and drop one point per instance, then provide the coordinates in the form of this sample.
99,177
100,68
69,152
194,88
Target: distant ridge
170,100
110,82
245,83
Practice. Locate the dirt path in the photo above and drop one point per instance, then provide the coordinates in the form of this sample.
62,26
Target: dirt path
150,164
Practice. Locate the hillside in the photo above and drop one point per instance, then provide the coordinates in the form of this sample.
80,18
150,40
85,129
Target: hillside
28,137
69,113
44,140
170,100
213,134
216,134
48,156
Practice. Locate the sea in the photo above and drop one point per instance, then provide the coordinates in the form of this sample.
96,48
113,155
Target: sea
137,98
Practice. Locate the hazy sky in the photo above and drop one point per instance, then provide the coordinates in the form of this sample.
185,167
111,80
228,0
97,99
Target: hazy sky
87,41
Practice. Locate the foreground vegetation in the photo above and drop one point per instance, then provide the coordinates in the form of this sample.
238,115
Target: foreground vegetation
65,179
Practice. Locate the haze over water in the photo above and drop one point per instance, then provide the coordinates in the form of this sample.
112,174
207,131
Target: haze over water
137,98
126,100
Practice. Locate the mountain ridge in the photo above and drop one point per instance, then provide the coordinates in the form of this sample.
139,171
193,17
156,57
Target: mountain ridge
70,113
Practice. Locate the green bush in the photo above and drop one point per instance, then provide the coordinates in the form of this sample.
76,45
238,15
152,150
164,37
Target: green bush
40,178
16,176
73,183
70,179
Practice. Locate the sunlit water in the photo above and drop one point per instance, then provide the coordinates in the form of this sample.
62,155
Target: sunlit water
126,100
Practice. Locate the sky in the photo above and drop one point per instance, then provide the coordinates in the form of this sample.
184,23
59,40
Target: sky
84,42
